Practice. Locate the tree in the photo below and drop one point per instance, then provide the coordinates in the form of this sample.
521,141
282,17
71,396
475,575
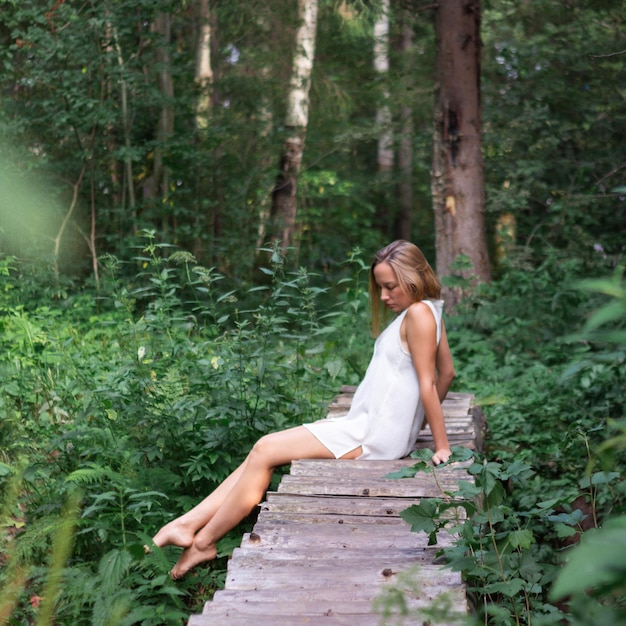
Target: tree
203,70
383,112
457,170
284,198
404,216
158,187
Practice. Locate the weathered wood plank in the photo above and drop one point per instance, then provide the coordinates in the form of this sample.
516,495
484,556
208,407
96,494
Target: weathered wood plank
331,539
317,606
263,573
334,505
358,468
276,606
321,552
332,597
425,487
239,617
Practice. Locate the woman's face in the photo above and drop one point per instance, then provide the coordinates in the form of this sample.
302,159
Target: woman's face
391,294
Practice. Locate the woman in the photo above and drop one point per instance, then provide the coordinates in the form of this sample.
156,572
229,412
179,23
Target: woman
407,378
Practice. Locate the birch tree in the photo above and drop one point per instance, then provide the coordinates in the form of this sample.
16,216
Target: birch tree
457,174
203,69
284,195
405,143
383,112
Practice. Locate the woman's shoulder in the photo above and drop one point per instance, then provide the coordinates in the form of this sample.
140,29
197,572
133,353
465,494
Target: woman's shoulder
423,311
425,305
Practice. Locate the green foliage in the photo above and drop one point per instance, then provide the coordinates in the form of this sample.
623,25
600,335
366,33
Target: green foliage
144,396
552,127
508,552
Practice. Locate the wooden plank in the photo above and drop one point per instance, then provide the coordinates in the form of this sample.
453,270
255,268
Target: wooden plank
268,607
299,518
248,614
295,518
375,507
358,467
336,537
313,606
316,553
310,575
355,539
333,596
240,618
408,488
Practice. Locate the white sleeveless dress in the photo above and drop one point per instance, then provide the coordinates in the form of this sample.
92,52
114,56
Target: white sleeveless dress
386,412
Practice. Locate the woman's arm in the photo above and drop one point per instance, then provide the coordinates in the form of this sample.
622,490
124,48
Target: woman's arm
421,335
444,364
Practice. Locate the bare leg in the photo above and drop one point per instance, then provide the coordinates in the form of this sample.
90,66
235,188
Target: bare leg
268,453
180,532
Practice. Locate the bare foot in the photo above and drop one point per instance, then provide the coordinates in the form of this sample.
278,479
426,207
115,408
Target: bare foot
191,557
175,533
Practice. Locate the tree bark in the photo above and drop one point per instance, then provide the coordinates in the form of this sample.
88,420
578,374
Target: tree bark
457,175
129,181
404,217
204,70
157,186
284,198
383,112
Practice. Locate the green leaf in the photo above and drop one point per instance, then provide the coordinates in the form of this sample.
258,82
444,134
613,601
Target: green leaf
113,567
5,470
510,588
517,469
563,530
599,561
405,472
599,478
609,313
573,518
521,539
421,516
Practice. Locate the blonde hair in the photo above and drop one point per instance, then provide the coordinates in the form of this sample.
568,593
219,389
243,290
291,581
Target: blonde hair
413,273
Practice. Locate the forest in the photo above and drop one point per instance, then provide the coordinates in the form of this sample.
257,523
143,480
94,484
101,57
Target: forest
192,191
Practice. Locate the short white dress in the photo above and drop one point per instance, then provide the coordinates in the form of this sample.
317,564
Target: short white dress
386,412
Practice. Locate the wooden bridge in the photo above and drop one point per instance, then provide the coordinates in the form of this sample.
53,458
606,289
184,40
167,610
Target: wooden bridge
329,546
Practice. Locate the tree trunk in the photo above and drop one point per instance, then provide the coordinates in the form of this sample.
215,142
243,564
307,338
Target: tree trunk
284,199
405,146
129,178
457,175
157,186
206,222
204,71
381,66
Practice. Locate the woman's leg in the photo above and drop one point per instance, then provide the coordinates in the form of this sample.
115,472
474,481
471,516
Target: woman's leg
180,532
268,453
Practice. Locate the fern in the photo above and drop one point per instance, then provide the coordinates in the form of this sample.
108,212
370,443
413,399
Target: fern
93,474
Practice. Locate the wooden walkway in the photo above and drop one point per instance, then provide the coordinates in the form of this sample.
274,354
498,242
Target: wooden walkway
330,541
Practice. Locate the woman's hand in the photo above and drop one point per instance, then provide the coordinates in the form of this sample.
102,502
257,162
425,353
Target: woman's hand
441,456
